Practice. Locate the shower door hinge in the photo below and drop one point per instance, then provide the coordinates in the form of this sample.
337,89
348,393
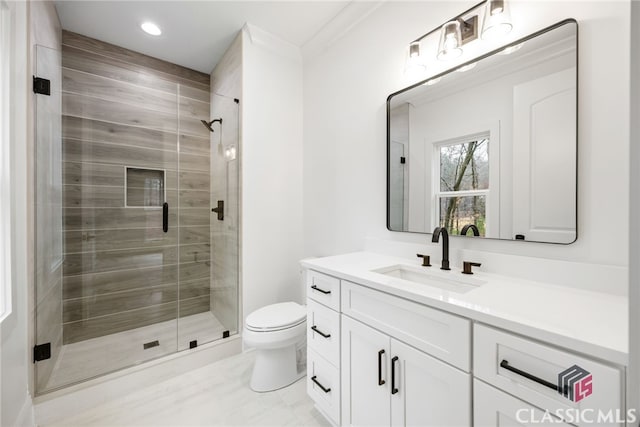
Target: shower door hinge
41,352
403,160
236,100
41,86
225,334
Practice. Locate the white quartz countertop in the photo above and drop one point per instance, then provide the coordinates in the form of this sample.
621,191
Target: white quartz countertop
592,323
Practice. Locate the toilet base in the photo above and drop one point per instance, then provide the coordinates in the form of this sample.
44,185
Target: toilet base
275,368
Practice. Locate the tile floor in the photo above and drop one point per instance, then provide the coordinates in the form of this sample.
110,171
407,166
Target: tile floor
215,395
97,356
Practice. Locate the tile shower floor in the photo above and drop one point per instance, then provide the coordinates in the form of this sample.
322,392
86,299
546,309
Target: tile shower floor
98,356
214,395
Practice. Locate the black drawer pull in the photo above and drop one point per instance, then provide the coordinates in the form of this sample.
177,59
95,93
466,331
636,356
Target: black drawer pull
326,390
505,364
315,288
317,331
394,390
380,380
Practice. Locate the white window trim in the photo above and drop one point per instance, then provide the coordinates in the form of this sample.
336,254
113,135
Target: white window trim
492,201
6,63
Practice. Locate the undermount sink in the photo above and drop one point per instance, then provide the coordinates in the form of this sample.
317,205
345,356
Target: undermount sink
418,275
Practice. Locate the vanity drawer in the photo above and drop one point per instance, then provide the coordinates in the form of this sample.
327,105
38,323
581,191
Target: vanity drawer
538,369
324,289
442,335
495,408
323,332
323,385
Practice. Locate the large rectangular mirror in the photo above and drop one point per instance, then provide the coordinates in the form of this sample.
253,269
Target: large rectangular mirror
490,144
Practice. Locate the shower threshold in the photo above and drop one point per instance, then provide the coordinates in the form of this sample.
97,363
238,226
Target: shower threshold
91,358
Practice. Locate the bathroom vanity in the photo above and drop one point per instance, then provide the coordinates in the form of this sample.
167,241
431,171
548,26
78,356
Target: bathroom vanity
393,343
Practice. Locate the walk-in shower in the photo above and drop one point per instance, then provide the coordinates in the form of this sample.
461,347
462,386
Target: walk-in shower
132,263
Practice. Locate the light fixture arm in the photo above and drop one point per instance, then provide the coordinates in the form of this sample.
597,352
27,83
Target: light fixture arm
458,17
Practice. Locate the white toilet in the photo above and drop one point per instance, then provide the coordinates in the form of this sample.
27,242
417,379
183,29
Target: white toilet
278,332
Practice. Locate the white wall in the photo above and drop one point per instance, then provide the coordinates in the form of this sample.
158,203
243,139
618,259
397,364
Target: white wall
344,121
271,185
15,402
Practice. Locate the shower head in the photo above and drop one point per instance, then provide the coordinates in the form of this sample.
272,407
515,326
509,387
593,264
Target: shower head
208,124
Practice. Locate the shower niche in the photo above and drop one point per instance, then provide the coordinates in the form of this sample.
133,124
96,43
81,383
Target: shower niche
144,187
132,265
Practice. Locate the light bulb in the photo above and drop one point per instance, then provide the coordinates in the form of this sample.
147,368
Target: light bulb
151,28
497,20
450,41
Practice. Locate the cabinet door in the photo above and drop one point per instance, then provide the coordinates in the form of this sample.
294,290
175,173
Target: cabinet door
494,408
365,379
427,392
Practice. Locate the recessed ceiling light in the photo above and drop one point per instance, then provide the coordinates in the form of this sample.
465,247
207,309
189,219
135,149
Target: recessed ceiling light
151,28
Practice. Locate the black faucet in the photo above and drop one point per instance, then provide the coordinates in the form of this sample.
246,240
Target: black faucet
466,228
445,245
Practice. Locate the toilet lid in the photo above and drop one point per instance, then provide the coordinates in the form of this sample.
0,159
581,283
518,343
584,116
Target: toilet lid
276,316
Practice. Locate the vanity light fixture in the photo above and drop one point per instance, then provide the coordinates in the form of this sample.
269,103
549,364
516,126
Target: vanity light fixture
458,31
150,28
415,65
497,20
450,41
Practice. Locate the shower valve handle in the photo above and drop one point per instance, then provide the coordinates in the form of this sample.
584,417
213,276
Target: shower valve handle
219,210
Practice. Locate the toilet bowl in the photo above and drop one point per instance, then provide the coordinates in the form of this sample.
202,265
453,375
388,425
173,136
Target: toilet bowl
278,334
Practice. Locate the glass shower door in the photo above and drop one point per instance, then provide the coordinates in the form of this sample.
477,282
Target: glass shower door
107,222
209,230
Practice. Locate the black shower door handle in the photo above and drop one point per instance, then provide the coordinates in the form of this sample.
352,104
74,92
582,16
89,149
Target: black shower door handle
165,217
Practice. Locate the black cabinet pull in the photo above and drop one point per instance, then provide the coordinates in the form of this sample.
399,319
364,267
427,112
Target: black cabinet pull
380,380
326,390
315,288
394,390
165,217
505,364
317,331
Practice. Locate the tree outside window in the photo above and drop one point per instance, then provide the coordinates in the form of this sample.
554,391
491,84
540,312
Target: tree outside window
464,185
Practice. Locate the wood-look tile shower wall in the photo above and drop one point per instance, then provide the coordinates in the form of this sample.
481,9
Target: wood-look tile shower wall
122,108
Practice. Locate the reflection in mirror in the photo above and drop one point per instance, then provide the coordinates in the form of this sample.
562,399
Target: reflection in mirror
491,144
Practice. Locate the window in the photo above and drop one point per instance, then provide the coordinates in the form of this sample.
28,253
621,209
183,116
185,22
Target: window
462,184
5,188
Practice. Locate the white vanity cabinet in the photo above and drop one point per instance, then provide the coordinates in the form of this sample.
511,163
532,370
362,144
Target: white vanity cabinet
530,371
323,343
386,382
400,380
495,408
388,360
